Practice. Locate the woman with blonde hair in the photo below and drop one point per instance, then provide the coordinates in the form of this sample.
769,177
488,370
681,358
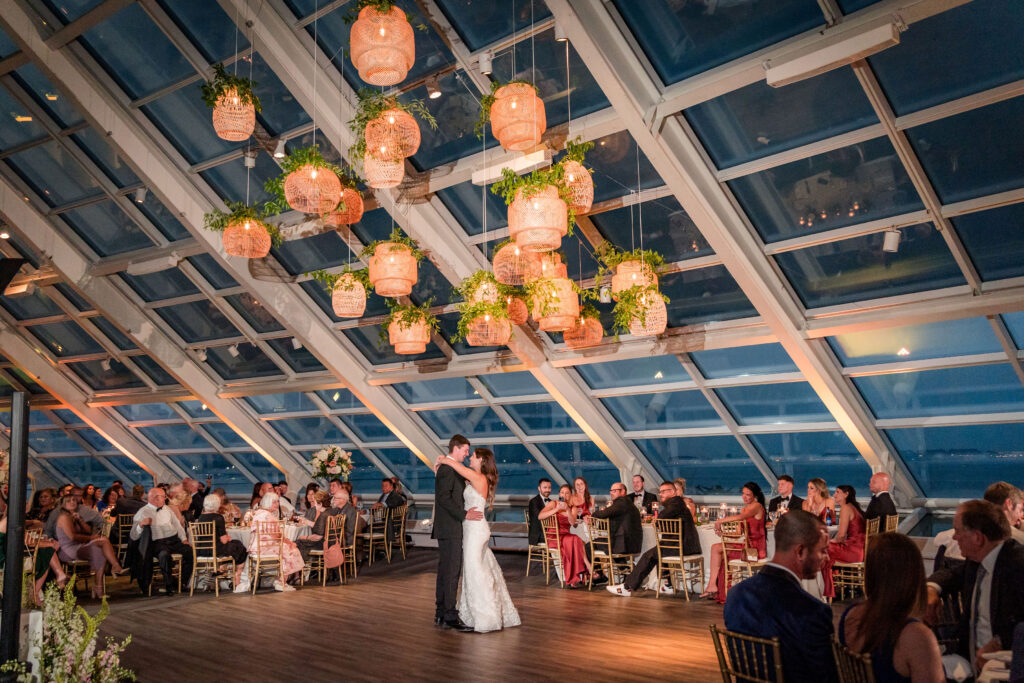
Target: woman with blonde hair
819,503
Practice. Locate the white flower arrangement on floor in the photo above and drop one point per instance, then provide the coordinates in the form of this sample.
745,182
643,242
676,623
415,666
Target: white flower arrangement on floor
331,462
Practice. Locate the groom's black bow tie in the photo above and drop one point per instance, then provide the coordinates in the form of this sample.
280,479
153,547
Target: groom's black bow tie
160,508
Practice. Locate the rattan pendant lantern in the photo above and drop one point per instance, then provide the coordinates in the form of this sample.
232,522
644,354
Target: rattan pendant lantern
393,135
547,265
517,117
540,221
352,212
349,297
392,269
511,264
558,305
233,119
312,189
411,339
518,313
246,239
486,330
382,174
581,186
383,46
655,318
631,274
585,333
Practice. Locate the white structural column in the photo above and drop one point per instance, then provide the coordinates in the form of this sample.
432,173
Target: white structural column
683,167
429,223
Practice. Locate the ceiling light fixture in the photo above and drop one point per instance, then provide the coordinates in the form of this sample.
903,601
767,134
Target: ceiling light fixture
485,63
433,88
336,396
904,351
605,295
4,235
105,364
279,152
296,344
891,243
233,350
140,195
249,159
560,33
201,355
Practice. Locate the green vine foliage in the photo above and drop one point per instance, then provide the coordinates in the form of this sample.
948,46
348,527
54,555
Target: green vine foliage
307,156
372,104
609,257
539,295
396,237
488,100
590,311
407,315
382,6
629,308
472,311
468,287
225,81
218,221
510,184
575,150
333,281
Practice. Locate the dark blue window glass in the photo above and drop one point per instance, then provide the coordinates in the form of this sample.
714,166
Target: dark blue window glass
169,437
14,132
69,10
268,404
250,362
212,271
465,201
703,295
829,455
165,284
34,305
483,23
300,360
93,438
994,240
198,321
949,391
163,219
677,409
213,31
107,229
224,435
103,155
368,427
224,474
195,408
542,417
51,441
135,473
774,403
375,225
428,391
118,377
67,417
339,399
1015,323
711,465
232,183
367,341
115,335
140,412
858,268
582,459
85,469
308,430
915,342
66,339
325,250
47,96
512,384
74,297
960,462
518,470
53,174
187,122
262,469
431,284
280,110
258,317
843,187
7,46
154,371
638,372
614,161
760,359
666,228
413,472
480,421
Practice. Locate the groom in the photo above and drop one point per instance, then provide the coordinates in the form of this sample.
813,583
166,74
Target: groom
448,517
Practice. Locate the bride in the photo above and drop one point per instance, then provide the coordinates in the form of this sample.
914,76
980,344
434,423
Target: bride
484,602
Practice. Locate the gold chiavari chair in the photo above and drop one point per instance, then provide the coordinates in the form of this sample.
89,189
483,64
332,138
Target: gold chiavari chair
601,554
947,624
375,534
535,552
735,539
746,658
397,519
671,560
852,666
204,538
350,563
269,544
849,576
892,524
334,534
124,529
552,550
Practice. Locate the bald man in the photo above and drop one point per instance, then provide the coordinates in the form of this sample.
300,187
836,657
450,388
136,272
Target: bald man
167,538
881,505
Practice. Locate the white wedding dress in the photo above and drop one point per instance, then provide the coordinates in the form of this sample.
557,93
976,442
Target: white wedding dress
484,602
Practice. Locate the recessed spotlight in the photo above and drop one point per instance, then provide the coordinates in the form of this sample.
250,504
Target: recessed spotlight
433,88
891,242
485,63
560,33
296,344
105,364
233,350
140,195
279,152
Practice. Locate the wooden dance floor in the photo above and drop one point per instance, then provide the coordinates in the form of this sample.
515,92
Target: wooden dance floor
380,628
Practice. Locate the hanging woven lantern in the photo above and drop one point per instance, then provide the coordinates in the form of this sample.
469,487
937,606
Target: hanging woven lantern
409,340
485,292
392,269
393,135
382,174
312,190
488,331
539,222
655,319
383,46
233,119
517,117
548,264
586,332
581,186
247,239
518,313
632,273
512,263
562,309
349,297
352,212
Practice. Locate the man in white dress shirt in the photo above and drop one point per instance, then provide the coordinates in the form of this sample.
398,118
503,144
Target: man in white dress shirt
167,537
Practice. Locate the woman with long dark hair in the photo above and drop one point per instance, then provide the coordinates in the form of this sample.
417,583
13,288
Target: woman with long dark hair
886,624
848,545
581,496
754,513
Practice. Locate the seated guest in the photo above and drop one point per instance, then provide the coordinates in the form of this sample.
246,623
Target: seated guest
180,501
85,514
624,523
575,565
78,542
306,502
228,510
848,545
347,485
196,493
641,498
125,505
398,489
388,497
1010,500
818,502
680,485
315,539
287,508
771,604
107,501
887,625
47,562
291,558
881,505
785,500
341,505
89,496
582,498
754,514
672,507
43,503
281,489
226,546
989,582
536,504
167,537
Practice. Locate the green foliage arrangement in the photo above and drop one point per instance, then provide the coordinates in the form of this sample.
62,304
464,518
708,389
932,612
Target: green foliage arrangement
531,184
218,220
590,311
307,156
396,237
541,291
382,6
577,151
471,310
407,315
488,100
629,308
223,82
373,103
610,256
333,281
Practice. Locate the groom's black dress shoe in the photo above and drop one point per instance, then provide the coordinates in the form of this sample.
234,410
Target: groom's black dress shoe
438,621
457,625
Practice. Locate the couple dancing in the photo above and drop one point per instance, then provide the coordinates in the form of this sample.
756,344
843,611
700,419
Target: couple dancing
462,533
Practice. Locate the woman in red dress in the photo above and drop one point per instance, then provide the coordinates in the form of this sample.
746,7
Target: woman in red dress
848,545
582,498
818,502
754,512
575,566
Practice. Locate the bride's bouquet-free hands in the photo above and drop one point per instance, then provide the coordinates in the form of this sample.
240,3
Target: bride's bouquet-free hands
330,462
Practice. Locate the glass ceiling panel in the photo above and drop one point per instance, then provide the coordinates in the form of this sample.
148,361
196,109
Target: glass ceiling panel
154,371
994,240
93,438
638,372
518,470
281,111
224,435
711,465
258,317
582,459
759,359
931,340
53,174
949,391
35,419
214,465
84,470
1015,324
136,53
922,71
268,404
375,225
482,23
103,155
166,437
113,334
338,399
368,428
325,250
512,384
67,417
47,96
198,321
774,403
759,120
858,268
973,154
961,461
66,339
666,410
829,455
704,295
182,116
308,430
666,227
300,360
413,472
542,417
30,384
261,468
73,297
229,179
366,339
147,411
118,377
107,229
135,474
163,219
212,271
428,391
613,161
683,39
34,305
209,28
250,363
843,187
7,46
465,201
69,10
53,441
195,408
430,283
24,250
14,132
480,421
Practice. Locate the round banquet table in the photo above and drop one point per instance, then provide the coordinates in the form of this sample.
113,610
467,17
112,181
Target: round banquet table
291,532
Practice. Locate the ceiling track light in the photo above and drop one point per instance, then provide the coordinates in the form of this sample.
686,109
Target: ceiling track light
279,152
560,33
233,351
433,88
485,63
105,364
249,159
140,195
891,242
201,355
296,344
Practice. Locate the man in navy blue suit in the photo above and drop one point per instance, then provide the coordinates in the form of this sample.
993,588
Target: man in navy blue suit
772,604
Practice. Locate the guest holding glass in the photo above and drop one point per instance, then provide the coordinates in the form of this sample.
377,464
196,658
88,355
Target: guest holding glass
77,542
754,514
107,501
818,502
581,496
575,565
848,545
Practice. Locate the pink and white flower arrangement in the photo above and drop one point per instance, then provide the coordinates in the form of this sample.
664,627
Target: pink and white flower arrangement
331,462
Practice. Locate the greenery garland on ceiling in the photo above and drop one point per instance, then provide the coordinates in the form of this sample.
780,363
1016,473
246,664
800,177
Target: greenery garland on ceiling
224,82
218,221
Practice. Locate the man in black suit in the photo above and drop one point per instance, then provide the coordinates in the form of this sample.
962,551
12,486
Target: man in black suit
624,524
448,517
881,505
672,507
537,503
989,582
785,499
640,497
388,496
772,604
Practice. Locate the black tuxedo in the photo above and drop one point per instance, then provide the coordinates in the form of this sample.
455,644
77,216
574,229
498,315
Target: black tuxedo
771,604
673,508
1006,603
880,506
624,525
646,498
795,503
536,531
448,517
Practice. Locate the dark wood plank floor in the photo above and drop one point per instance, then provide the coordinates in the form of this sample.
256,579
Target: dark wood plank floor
380,628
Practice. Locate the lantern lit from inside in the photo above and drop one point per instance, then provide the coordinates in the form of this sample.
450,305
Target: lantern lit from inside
486,330
512,263
312,189
517,117
581,187
233,119
632,274
351,213
383,46
392,269
349,297
540,221
547,265
381,173
409,340
393,135
247,239
655,317
518,313
586,332
557,305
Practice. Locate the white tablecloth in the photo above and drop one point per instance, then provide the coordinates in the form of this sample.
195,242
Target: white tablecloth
291,532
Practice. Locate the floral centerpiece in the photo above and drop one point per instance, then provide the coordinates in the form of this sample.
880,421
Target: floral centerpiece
330,462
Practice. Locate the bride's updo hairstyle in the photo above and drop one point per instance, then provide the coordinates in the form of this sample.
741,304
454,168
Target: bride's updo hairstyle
489,470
